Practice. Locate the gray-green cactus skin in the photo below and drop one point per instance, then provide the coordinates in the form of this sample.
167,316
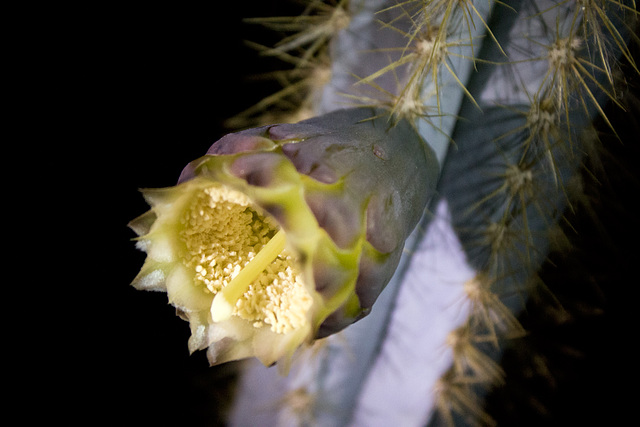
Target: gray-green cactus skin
509,118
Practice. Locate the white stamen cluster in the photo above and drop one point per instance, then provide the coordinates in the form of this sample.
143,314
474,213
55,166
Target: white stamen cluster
222,232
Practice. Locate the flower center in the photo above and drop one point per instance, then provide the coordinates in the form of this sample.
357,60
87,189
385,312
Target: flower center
237,253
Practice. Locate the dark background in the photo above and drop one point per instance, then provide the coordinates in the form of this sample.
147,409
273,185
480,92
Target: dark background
123,97
171,77
131,95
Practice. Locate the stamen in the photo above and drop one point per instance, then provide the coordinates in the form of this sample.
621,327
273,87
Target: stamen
225,300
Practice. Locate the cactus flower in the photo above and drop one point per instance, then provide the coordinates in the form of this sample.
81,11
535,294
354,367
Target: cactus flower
285,233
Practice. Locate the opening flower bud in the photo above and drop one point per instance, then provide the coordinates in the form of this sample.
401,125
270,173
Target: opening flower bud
260,251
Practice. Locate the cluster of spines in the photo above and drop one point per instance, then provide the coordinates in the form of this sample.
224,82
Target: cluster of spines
305,51
423,56
579,58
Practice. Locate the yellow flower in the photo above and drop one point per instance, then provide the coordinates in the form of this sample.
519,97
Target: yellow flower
284,234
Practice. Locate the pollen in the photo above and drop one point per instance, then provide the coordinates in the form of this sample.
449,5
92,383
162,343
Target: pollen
237,254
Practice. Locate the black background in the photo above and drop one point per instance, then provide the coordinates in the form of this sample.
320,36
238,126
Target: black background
126,96
121,97
173,76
